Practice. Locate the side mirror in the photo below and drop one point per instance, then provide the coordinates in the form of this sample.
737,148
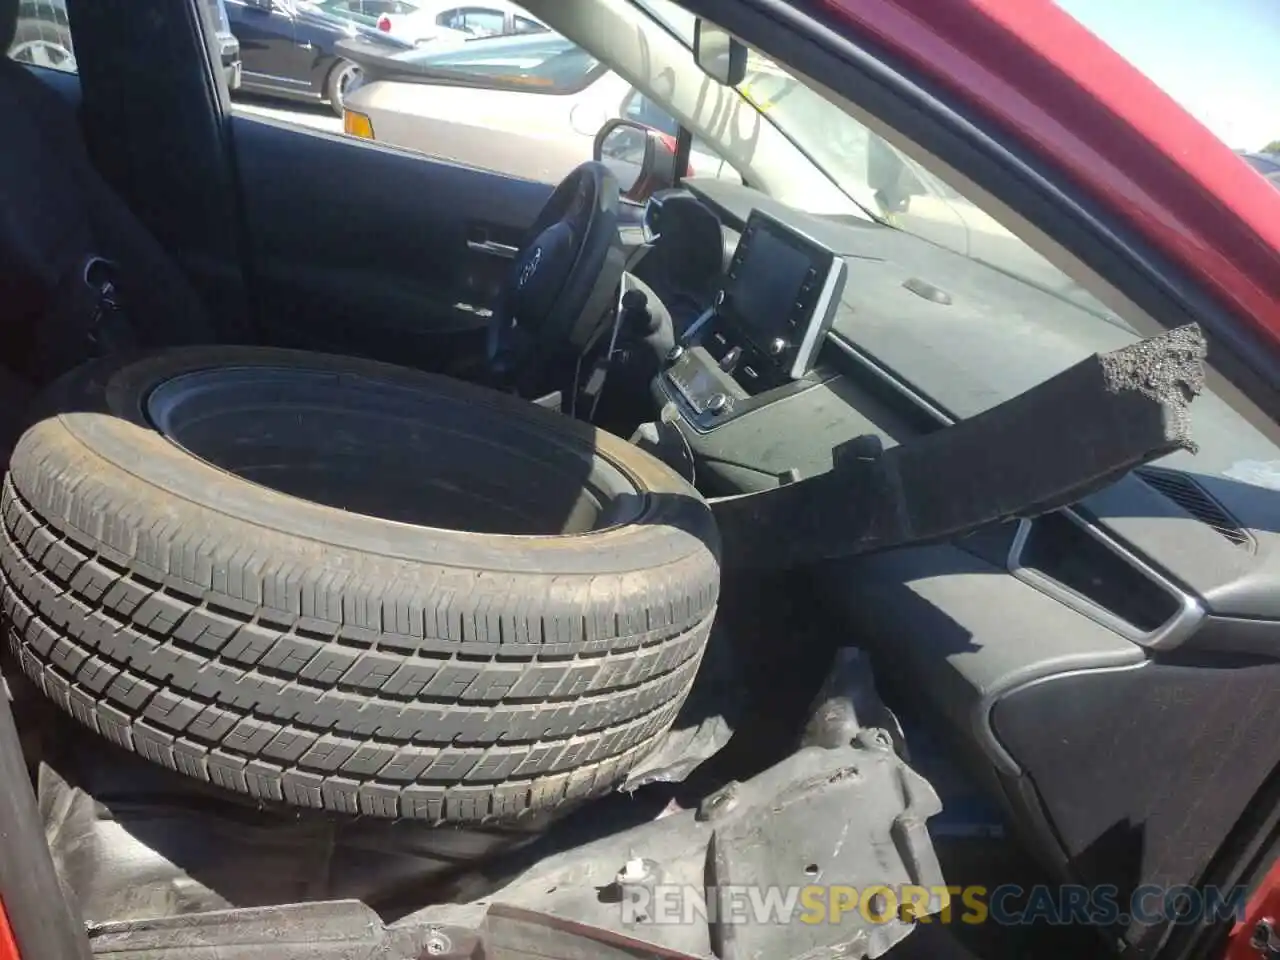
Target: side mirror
721,56
893,181
642,159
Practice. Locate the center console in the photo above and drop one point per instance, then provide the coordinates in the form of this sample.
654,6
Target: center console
771,313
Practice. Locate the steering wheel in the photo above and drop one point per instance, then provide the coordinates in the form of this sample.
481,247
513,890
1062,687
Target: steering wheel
550,305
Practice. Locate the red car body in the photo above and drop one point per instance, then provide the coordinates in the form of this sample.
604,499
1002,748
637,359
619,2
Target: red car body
8,946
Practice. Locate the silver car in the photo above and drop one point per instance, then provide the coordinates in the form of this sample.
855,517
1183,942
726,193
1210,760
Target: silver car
528,106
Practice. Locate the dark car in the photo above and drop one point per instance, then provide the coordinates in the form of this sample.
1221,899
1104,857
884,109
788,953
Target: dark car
1267,164
288,49
1264,163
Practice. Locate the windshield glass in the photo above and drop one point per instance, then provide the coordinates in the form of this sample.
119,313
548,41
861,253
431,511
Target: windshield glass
835,142
1001,334
882,180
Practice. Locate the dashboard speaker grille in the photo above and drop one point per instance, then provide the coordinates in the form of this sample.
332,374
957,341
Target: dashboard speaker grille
1194,499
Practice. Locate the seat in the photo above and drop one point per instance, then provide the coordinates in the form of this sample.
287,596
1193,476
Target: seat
57,215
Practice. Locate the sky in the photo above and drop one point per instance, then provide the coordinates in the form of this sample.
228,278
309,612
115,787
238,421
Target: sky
1219,58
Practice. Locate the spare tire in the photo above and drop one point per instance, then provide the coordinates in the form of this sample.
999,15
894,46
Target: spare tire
344,585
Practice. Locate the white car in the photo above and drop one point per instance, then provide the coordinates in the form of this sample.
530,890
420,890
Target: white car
528,106
438,23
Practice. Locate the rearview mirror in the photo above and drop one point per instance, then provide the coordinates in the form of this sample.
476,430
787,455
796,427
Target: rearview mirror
721,56
642,159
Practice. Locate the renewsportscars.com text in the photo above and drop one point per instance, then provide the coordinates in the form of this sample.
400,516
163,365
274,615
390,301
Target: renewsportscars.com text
1007,905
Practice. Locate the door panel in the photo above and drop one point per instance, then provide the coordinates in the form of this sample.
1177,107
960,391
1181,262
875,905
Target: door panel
374,252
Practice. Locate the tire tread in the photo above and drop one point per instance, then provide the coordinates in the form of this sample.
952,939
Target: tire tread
213,648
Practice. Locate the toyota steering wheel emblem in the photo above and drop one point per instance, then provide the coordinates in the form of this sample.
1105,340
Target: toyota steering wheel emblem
530,268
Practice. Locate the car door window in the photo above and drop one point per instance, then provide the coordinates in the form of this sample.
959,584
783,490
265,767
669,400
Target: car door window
477,21
525,25
43,37
524,106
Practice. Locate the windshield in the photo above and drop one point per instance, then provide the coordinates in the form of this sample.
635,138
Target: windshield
886,183
835,142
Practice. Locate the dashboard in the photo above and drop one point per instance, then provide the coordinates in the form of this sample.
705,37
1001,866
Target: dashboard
1065,655
967,336
754,302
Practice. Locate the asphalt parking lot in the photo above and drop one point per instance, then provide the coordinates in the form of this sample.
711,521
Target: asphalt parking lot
317,116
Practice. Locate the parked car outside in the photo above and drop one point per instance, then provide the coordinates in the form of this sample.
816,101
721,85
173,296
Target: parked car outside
287,47
1264,163
492,18
398,19
528,106
364,12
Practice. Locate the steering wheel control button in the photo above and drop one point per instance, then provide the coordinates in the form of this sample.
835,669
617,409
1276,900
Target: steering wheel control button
778,346
717,404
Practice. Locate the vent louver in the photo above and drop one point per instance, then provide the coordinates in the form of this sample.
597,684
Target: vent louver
1193,498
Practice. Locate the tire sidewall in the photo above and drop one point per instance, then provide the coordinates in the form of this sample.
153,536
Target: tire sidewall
674,523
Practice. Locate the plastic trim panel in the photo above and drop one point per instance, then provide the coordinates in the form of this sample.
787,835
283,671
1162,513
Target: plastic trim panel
1167,636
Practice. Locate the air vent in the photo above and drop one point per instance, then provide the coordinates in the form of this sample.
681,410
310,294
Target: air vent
1193,498
1063,551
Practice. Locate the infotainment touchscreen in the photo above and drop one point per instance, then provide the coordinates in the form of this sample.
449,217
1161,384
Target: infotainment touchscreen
781,291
